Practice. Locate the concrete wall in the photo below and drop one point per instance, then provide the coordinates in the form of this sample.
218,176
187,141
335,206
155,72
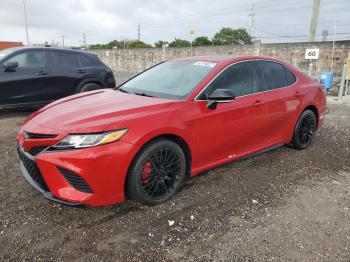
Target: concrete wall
136,60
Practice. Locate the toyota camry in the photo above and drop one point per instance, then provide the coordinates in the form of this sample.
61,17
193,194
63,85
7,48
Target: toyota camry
175,120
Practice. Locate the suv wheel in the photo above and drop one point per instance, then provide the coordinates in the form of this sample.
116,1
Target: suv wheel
89,87
157,172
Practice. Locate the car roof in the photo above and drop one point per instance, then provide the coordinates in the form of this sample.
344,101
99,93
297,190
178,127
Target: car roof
224,59
50,49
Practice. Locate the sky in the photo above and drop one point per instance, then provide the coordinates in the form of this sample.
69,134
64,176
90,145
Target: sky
106,20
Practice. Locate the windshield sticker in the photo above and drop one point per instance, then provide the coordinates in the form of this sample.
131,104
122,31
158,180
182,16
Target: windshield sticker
203,63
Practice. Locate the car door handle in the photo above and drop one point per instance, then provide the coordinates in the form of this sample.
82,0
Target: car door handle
41,73
81,71
259,103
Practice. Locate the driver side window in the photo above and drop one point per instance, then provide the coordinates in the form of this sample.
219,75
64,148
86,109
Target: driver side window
31,59
238,78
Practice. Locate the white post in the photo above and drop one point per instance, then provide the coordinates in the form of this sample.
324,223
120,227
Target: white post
342,84
310,68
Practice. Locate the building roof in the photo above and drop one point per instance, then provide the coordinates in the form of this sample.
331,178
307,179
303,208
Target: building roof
9,44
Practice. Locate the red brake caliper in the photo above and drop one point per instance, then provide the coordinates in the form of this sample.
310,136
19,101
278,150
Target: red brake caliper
146,173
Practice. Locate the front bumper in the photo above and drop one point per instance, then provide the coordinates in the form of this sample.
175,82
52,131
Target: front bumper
34,184
104,169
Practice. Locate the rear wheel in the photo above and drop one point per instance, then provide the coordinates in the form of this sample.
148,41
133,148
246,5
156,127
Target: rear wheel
157,172
89,87
304,130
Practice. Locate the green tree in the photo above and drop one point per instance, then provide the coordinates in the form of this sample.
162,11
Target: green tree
201,41
229,36
109,45
138,44
180,43
160,43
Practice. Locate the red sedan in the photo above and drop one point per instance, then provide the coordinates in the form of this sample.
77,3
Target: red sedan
173,121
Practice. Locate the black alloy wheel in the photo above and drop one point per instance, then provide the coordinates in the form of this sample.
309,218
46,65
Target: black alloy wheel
304,130
157,173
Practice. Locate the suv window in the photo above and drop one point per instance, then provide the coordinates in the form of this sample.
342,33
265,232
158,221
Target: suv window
30,59
238,78
64,60
291,79
85,61
270,75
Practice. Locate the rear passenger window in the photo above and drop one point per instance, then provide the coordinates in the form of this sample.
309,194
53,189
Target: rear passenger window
271,75
291,79
85,61
238,78
63,60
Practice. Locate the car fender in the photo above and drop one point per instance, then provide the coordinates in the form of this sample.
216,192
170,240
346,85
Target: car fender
163,132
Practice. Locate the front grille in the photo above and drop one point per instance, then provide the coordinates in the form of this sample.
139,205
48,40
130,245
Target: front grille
75,180
29,135
33,170
36,150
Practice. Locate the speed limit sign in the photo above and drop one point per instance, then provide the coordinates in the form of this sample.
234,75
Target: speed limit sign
312,53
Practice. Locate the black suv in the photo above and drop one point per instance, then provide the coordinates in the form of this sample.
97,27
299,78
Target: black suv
32,77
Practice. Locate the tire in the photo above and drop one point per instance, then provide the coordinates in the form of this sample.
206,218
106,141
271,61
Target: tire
156,173
89,87
304,130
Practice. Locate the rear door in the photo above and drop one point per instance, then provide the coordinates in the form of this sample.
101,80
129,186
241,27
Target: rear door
279,96
66,72
29,82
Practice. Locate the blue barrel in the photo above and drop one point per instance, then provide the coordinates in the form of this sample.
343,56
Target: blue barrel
326,78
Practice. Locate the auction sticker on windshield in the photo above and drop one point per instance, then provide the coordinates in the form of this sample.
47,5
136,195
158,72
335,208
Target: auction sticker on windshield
207,64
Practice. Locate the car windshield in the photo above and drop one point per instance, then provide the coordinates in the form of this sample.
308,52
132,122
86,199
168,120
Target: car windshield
5,52
174,79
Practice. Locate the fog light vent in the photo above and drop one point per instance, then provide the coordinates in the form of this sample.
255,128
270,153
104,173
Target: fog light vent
75,180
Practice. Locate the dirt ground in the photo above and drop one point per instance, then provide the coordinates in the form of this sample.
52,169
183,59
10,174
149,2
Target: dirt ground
285,205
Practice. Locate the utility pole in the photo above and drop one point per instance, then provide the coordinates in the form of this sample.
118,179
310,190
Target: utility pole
84,41
314,20
139,32
251,19
63,36
25,19
333,44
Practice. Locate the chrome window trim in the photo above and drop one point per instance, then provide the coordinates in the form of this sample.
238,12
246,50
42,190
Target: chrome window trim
249,60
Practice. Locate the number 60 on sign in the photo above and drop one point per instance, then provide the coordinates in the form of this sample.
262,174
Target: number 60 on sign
312,53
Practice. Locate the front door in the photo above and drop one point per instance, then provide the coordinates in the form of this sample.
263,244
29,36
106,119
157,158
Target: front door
26,84
232,129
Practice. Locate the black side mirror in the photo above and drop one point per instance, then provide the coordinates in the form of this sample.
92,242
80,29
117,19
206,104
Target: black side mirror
220,96
10,65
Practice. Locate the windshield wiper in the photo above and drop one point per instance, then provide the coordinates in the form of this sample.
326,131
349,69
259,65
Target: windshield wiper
123,90
139,94
143,94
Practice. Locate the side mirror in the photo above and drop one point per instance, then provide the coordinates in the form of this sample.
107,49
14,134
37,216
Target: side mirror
10,65
220,96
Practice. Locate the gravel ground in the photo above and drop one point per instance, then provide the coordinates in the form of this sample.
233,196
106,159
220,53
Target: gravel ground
285,205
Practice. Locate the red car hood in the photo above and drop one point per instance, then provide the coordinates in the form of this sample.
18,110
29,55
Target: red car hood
96,110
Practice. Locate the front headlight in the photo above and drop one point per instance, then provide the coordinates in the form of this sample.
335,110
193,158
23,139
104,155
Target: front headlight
89,140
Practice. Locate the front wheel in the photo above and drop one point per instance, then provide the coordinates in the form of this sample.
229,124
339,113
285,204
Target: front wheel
157,172
304,130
